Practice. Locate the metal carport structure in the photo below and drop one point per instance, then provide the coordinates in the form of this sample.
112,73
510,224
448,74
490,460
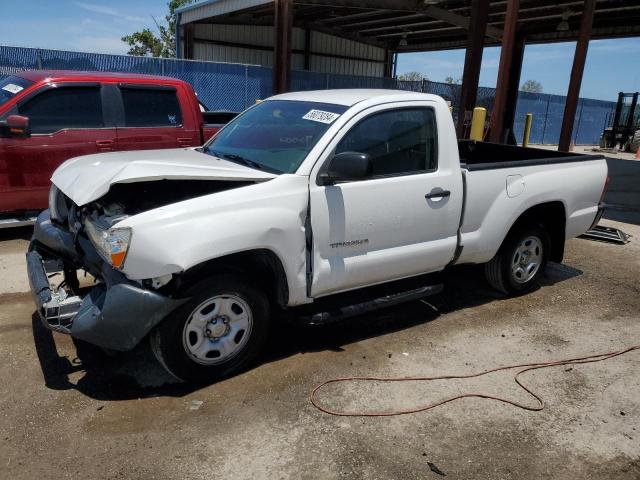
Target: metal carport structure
366,36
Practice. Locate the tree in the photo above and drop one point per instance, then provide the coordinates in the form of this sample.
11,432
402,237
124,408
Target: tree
531,86
145,42
412,77
452,81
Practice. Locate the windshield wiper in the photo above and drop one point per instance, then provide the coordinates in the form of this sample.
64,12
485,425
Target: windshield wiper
239,159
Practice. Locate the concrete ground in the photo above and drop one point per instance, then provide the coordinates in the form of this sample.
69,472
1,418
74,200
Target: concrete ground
90,417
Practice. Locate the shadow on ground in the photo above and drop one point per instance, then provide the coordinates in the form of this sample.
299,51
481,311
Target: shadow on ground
23,233
136,374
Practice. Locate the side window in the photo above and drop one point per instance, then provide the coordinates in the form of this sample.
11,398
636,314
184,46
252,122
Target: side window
147,107
65,107
398,141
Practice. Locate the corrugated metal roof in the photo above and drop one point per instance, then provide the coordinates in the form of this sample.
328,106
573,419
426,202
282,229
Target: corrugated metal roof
413,25
213,8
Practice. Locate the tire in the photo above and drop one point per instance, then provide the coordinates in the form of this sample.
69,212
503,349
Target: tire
217,333
635,142
511,278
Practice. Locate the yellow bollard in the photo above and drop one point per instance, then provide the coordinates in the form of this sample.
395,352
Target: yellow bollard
477,123
527,130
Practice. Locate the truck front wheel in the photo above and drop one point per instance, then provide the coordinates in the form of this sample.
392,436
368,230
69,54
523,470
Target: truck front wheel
216,333
520,262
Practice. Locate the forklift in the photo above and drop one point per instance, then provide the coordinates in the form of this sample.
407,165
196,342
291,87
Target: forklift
623,126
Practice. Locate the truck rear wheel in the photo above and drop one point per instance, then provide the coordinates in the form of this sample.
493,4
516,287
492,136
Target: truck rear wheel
216,333
520,261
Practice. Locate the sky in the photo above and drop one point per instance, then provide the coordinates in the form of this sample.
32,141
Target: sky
98,25
86,26
611,67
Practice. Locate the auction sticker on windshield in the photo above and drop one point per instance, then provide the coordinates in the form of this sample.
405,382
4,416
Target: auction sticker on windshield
321,116
12,88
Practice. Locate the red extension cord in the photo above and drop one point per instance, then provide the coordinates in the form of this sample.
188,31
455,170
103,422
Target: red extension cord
526,367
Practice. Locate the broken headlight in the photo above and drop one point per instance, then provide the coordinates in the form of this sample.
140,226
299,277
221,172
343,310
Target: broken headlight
112,244
58,207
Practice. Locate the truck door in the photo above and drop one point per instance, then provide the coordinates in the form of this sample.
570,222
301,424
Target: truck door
153,119
400,222
66,121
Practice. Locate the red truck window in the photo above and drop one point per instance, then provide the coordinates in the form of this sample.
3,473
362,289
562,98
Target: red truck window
151,107
64,108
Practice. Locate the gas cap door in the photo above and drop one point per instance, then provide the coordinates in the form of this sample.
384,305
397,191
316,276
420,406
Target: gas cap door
515,185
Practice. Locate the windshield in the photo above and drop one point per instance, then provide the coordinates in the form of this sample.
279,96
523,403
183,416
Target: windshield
11,86
275,135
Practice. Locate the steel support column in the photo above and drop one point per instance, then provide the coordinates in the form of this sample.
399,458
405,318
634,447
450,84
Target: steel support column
472,62
188,41
579,59
282,47
388,63
502,85
307,49
509,116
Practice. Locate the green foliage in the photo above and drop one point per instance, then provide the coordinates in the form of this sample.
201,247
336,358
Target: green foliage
412,77
531,86
146,43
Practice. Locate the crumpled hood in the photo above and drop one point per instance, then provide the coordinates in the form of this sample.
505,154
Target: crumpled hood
87,178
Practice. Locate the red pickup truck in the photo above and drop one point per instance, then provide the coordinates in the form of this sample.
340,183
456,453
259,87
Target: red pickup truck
47,117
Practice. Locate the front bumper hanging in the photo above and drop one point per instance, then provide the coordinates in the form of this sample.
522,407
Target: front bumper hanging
56,308
116,313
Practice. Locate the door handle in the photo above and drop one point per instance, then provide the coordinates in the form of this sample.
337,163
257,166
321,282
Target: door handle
441,194
104,144
185,141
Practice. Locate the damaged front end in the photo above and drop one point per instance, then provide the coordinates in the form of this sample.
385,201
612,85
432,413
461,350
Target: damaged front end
114,312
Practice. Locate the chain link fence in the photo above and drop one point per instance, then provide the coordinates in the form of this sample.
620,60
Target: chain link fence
229,86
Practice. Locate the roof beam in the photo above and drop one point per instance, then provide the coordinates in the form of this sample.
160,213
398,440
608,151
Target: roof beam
404,16
458,20
447,28
405,27
351,17
405,6
336,32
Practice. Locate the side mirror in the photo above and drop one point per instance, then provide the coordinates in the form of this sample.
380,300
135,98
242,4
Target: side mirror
347,166
17,126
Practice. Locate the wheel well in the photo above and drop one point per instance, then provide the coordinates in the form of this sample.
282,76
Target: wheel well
553,216
262,265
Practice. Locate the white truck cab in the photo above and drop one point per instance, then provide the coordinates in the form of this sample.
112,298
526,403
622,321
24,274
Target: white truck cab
304,201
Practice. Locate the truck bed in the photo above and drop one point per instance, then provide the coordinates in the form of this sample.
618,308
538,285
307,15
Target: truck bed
485,156
502,182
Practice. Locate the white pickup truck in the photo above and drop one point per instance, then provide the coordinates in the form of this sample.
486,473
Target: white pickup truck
321,203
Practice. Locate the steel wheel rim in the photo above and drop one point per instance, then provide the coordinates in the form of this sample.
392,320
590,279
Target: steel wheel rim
526,260
217,330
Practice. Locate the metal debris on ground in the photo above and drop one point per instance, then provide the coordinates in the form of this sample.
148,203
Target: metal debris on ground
607,234
435,469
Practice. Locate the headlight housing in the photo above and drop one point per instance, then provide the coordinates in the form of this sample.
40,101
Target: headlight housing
112,244
58,207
